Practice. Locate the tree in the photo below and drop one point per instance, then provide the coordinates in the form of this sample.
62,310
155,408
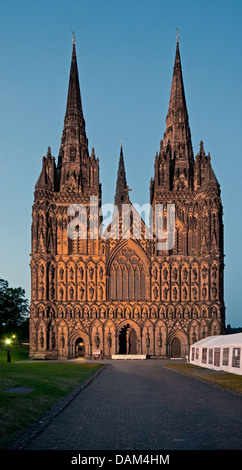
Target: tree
13,308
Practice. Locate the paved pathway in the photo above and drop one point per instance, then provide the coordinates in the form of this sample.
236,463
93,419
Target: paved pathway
140,405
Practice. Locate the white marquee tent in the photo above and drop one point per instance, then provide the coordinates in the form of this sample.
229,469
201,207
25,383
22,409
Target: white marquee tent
221,352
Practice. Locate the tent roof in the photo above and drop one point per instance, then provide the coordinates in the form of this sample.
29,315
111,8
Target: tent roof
220,340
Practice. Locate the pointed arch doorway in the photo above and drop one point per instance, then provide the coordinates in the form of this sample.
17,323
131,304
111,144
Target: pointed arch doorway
127,340
175,348
80,347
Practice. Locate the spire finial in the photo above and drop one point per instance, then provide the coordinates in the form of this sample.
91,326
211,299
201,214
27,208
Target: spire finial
74,37
177,35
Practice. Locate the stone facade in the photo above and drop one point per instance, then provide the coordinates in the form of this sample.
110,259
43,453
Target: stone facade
123,294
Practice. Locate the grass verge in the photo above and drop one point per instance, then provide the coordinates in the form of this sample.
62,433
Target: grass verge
51,382
225,379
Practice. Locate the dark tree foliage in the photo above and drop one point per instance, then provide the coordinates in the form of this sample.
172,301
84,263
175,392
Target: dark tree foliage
13,308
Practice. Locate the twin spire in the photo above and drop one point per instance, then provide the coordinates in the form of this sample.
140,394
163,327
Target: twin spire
74,143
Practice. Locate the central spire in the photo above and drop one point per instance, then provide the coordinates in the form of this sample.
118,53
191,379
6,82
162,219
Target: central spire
121,184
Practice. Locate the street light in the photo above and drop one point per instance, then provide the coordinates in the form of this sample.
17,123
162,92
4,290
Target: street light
8,342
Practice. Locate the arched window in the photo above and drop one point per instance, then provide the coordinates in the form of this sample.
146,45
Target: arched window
127,276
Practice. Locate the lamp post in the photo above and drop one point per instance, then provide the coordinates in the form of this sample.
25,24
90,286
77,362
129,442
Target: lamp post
8,342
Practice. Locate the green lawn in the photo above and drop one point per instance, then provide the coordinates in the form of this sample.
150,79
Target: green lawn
225,379
18,353
51,382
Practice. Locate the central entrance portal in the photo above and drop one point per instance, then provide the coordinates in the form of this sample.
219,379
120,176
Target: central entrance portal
80,348
127,340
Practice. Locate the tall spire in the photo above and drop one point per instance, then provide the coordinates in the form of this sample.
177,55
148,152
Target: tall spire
177,122
73,154
121,184
74,103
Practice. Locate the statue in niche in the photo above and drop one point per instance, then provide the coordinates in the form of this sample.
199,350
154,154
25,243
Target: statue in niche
77,312
81,270
101,272
41,339
81,293
41,312
68,312
91,272
52,333
61,272
71,293
194,312
165,273
52,292
159,340
155,272
109,339
204,292
165,293
194,273
178,312
60,312
214,272
71,272
204,272
185,273
155,293
170,312
175,274
194,337
214,311
62,340
147,340
101,293
97,340
42,270
175,293
91,292
194,291
186,313
52,273
61,293
184,293
127,312
214,291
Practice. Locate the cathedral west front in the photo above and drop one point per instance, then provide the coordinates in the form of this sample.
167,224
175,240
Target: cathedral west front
142,287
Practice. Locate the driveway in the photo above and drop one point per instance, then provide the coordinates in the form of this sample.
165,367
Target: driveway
145,406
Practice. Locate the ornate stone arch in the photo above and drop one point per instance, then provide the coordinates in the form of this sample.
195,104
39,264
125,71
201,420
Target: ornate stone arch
133,325
179,337
79,333
128,272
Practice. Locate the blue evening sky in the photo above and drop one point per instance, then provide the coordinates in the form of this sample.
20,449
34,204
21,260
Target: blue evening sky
125,53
